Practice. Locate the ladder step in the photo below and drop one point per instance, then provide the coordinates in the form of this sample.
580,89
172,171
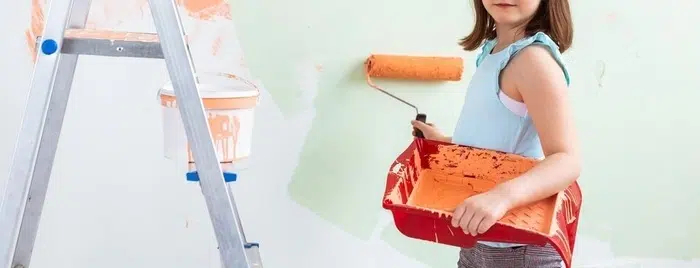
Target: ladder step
111,43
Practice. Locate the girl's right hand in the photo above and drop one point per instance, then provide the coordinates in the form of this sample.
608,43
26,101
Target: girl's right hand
429,131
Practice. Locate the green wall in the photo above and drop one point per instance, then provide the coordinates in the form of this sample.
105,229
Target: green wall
634,93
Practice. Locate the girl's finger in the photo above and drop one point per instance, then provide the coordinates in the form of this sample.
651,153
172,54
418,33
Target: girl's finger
485,225
474,223
466,218
457,215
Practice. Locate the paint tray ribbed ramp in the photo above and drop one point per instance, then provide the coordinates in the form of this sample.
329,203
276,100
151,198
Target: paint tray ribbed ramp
429,179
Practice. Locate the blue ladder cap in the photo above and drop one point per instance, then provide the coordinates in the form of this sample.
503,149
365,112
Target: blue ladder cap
228,176
250,245
49,46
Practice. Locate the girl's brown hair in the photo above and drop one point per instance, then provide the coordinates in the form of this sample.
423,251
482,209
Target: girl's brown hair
552,17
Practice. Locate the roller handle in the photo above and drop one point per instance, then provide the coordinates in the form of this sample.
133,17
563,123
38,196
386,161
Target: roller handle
418,133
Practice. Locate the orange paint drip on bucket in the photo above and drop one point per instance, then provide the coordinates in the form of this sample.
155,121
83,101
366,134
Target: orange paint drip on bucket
229,103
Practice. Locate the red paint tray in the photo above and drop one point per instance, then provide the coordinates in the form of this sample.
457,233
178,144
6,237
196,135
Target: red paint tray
429,179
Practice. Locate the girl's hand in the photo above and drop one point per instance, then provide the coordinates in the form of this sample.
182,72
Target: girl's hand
476,214
429,131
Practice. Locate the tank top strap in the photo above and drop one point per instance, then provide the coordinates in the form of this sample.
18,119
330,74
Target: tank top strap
486,49
539,38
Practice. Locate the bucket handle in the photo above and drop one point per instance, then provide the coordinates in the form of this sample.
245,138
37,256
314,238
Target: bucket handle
226,75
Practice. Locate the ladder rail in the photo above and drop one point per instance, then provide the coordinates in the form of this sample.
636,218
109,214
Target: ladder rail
238,216
35,149
34,153
58,102
221,206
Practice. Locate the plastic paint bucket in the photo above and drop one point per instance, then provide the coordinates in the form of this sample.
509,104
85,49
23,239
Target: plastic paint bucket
229,102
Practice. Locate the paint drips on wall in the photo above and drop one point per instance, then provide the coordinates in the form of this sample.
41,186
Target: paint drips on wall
600,72
36,26
206,9
111,12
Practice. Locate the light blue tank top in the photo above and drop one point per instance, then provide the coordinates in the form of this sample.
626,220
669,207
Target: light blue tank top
484,121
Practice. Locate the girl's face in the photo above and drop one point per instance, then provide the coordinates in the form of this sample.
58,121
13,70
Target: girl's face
511,12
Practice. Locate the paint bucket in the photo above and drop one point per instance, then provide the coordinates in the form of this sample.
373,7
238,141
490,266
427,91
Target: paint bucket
229,103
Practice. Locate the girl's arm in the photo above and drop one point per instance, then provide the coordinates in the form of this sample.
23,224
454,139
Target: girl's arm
540,81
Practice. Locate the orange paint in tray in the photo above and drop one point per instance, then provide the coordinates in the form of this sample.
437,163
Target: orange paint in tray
430,178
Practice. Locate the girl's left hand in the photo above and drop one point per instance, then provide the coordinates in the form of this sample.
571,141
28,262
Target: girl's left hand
476,214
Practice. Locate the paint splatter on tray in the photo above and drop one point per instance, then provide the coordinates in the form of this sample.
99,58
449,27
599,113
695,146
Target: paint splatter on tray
434,177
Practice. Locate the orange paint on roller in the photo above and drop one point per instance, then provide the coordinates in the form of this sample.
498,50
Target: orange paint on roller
412,68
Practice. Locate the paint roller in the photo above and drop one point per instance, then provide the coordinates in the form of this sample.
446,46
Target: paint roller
420,68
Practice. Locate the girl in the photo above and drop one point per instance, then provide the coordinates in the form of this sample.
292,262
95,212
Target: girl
516,102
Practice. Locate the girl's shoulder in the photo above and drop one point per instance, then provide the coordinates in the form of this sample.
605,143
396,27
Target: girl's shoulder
536,49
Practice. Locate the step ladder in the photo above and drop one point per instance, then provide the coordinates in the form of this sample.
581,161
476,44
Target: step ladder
63,39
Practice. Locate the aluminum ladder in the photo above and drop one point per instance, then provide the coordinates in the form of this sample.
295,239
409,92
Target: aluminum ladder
63,40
